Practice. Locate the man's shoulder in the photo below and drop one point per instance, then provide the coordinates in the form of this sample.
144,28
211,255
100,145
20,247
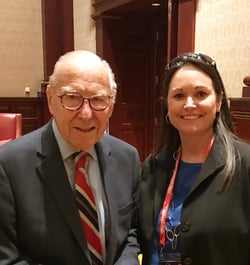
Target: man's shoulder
25,141
114,141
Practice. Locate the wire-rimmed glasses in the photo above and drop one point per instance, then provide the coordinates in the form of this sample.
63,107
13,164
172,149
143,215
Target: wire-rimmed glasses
74,101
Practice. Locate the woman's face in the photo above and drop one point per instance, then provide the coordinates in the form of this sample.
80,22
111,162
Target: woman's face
192,102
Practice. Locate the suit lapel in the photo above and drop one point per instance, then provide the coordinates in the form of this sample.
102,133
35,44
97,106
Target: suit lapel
109,178
53,174
109,182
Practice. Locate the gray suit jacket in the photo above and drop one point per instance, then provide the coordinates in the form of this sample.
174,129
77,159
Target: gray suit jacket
39,222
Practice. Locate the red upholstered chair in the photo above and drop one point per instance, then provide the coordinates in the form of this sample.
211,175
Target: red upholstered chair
10,126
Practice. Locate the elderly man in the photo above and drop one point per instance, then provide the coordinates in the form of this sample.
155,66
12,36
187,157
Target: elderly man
68,191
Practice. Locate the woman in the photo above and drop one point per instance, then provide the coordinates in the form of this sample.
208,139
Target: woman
195,205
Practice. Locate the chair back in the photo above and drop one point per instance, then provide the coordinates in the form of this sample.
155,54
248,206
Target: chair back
10,126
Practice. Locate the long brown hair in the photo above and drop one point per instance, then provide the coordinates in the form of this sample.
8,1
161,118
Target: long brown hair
223,126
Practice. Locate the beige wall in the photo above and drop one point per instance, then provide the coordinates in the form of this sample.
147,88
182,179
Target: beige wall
84,25
223,31
21,52
21,57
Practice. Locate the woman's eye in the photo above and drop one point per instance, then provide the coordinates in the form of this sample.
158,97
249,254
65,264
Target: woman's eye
178,96
201,94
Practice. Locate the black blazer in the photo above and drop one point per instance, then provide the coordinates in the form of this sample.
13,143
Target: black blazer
39,222
215,226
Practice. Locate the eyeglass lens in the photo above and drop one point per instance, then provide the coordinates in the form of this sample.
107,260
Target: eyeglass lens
75,101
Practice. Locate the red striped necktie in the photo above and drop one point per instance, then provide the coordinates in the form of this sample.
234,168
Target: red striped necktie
87,210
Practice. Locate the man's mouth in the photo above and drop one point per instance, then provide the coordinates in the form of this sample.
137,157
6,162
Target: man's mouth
89,129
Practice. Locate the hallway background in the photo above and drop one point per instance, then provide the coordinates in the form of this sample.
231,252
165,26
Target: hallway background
222,31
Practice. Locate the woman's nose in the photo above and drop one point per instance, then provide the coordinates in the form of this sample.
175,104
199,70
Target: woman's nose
189,102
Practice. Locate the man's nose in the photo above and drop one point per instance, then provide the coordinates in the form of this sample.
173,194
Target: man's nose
86,111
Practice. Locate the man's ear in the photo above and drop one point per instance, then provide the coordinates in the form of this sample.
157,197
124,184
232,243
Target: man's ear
49,98
111,108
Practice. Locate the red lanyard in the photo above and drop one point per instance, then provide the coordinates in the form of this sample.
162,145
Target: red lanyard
168,195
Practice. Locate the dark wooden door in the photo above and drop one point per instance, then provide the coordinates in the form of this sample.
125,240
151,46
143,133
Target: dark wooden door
131,35
138,39
135,46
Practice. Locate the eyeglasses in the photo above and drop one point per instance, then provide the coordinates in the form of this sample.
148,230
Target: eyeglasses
74,101
190,57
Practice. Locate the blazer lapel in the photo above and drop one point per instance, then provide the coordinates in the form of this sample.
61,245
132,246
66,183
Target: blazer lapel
53,175
215,161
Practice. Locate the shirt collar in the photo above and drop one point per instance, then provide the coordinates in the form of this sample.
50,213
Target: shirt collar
67,149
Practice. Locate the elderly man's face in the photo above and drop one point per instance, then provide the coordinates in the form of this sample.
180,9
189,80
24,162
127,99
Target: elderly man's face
84,127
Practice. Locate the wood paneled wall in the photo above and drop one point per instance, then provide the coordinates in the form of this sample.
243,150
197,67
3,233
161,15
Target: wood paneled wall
30,108
240,110
58,31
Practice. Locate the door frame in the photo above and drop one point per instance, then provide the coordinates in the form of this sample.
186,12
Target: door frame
180,20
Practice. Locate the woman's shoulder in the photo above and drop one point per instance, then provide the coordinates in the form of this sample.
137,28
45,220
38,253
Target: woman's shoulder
243,147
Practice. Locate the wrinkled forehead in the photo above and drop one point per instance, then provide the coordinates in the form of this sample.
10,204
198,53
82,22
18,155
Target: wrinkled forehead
82,72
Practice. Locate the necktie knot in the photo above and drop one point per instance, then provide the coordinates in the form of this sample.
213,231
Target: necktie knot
80,159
